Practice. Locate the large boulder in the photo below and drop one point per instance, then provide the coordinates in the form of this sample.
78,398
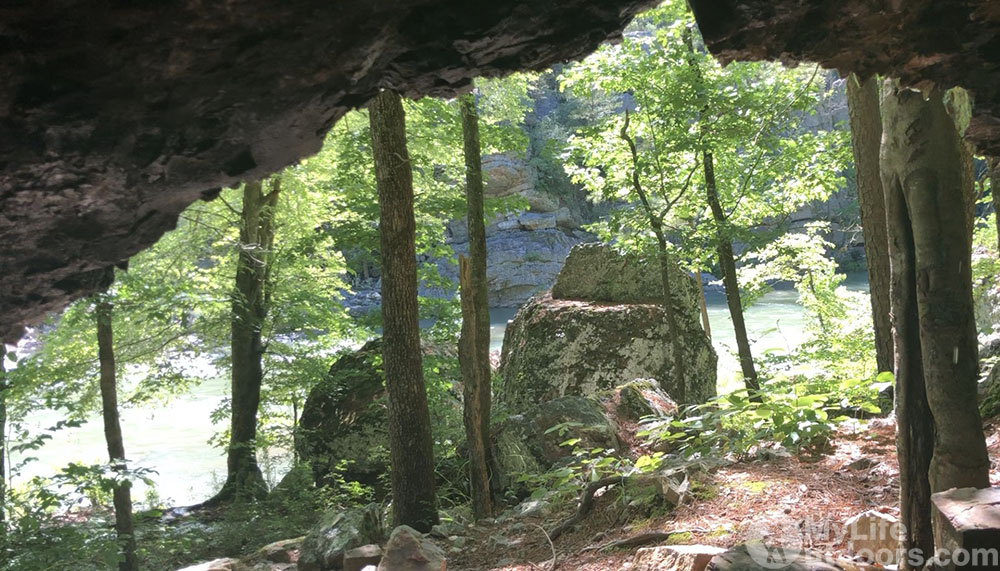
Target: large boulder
599,272
605,337
337,532
343,421
342,432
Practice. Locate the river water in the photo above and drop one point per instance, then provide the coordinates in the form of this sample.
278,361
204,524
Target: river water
171,438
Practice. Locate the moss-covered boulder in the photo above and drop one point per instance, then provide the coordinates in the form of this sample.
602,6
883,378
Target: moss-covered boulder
554,348
339,530
342,429
600,272
606,328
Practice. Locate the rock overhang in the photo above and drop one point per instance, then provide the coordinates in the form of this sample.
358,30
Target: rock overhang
115,117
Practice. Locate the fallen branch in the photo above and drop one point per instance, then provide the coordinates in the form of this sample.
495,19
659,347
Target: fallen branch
586,504
636,540
551,546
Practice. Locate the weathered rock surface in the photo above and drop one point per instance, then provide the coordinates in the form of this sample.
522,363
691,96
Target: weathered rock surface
875,537
523,444
408,550
967,518
114,118
337,532
760,557
643,398
520,264
599,272
343,419
556,347
945,42
360,557
675,557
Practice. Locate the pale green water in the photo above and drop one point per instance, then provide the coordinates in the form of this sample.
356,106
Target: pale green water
172,438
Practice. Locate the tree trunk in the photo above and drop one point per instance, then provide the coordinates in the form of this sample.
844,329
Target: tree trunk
727,262
124,527
663,257
940,439
474,343
866,137
410,443
703,306
250,302
3,442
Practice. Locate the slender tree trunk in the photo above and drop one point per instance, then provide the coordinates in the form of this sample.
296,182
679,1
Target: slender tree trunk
940,439
703,305
474,343
727,262
250,303
663,257
411,452
3,443
124,527
866,137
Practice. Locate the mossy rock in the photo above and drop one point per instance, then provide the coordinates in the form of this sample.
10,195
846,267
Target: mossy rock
343,420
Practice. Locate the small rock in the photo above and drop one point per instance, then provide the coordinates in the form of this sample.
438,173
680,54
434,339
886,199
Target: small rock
337,532
674,487
874,537
675,557
407,550
532,508
499,541
447,528
224,564
458,541
360,557
279,551
862,464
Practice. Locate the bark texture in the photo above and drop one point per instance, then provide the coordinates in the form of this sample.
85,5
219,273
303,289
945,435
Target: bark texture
940,439
115,117
122,496
866,137
3,441
474,342
411,453
727,262
251,299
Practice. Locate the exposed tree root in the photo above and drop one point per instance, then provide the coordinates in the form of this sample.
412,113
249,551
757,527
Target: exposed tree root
586,504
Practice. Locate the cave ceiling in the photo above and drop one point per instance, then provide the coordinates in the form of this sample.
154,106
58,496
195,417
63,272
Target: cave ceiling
116,116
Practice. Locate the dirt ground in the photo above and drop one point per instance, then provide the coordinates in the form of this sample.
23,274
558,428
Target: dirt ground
732,504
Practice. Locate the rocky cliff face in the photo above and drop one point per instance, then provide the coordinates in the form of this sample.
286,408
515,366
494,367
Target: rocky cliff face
525,250
114,117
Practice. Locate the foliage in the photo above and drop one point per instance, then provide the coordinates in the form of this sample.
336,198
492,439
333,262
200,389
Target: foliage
564,481
751,116
986,273
738,425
